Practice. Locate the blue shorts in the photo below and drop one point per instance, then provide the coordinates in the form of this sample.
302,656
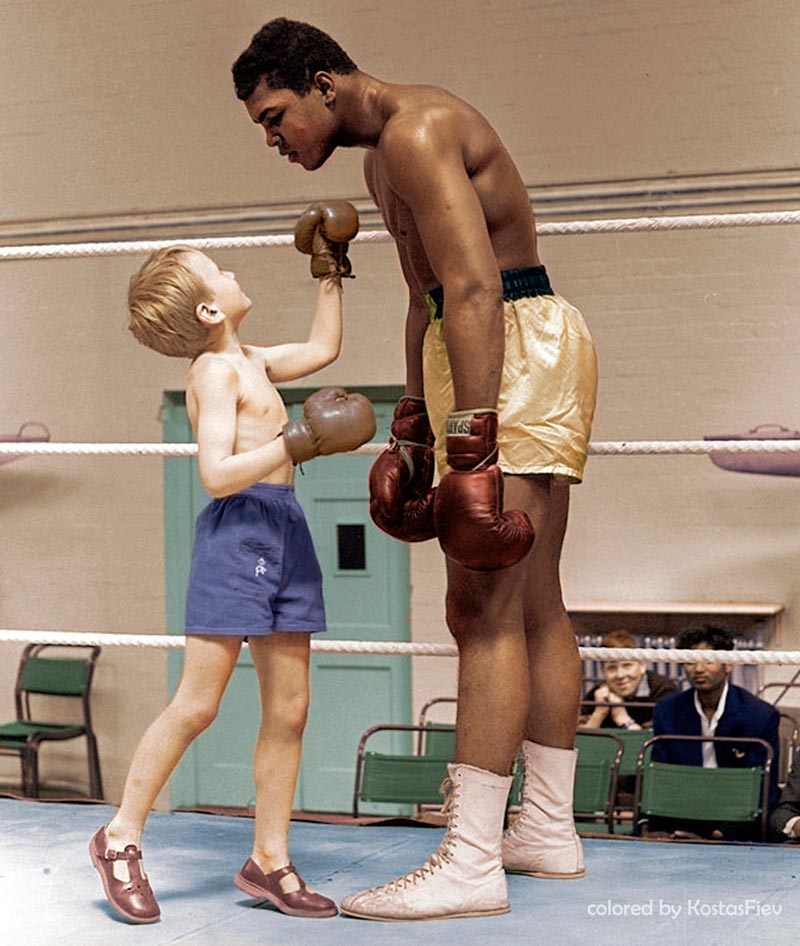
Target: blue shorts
254,568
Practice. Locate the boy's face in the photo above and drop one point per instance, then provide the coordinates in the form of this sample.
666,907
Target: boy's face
301,127
226,295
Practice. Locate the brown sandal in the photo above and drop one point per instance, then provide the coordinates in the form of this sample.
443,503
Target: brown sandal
303,902
133,898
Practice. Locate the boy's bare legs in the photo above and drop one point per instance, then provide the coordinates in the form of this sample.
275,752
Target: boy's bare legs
281,661
207,668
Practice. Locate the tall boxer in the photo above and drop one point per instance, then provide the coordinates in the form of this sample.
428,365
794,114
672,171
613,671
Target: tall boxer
500,385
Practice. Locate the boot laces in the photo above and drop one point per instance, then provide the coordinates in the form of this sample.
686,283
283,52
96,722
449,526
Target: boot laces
443,854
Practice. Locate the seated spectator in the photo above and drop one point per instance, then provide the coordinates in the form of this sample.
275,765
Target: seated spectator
713,706
784,819
626,682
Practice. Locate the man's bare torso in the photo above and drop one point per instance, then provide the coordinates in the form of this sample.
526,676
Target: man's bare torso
495,178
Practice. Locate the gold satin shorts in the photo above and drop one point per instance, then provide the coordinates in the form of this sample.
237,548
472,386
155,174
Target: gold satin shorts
547,394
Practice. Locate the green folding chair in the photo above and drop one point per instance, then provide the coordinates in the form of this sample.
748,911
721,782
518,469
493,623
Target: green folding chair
43,683
413,779
596,774
399,778
697,794
632,741
439,740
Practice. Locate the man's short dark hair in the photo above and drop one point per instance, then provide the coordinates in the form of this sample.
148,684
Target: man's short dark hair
716,637
287,54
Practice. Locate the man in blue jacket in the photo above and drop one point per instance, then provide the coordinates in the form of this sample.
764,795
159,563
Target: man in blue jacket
713,706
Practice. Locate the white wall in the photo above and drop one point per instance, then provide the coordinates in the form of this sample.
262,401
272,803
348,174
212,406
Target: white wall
126,108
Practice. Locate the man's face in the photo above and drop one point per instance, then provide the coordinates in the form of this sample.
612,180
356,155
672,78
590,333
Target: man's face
623,676
300,126
707,677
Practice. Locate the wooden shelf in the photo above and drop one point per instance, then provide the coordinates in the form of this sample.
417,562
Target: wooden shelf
755,619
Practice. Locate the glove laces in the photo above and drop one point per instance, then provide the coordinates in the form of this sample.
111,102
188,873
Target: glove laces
395,444
487,460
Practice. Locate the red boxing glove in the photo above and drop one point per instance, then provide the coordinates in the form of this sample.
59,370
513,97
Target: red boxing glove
400,493
472,528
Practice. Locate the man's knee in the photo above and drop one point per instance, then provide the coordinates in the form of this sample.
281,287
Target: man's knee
475,619
460,613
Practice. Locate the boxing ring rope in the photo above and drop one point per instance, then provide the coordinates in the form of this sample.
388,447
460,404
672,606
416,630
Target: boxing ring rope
610,448
412,649
599,448
563,228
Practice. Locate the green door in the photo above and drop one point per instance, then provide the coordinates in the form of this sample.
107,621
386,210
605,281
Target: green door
366,597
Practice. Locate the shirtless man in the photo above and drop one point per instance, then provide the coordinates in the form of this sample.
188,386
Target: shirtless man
501,375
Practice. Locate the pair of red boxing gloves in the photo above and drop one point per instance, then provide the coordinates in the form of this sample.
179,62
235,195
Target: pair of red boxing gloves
465,509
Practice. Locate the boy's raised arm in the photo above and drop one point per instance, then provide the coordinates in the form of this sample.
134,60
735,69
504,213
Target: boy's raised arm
323,232
296,359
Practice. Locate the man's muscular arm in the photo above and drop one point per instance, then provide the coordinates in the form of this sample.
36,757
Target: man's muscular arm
416,324
425,168
417,315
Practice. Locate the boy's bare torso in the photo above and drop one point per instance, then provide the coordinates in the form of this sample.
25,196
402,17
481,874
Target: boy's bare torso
491,170
260,413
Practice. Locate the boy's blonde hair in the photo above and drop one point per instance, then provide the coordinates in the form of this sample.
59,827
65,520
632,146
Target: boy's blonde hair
162,298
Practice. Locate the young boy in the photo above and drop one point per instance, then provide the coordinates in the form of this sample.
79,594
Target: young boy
254,574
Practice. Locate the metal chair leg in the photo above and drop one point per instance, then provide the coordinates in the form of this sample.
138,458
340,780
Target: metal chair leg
30,771
95,778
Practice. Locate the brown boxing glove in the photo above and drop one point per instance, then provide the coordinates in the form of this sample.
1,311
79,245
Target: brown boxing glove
324,231
401,478
472,528
333,421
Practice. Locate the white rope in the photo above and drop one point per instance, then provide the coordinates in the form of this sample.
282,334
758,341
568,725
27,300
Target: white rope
673,655
562,228
692,447
601,448
689,222
92,449
177,641
407,648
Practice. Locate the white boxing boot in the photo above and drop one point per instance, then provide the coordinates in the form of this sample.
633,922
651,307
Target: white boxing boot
464,876
542,841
